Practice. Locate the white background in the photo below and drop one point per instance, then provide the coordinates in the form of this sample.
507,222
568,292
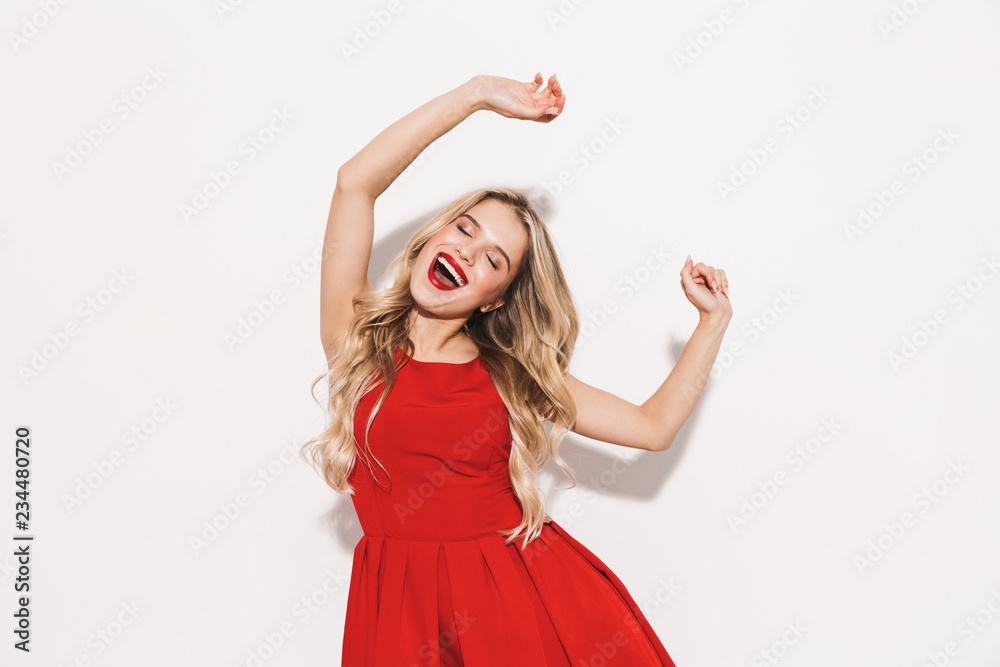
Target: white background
819,311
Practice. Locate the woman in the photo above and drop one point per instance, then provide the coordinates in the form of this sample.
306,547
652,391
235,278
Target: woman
440,387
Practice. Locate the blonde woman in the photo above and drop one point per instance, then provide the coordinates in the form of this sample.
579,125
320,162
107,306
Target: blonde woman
440,388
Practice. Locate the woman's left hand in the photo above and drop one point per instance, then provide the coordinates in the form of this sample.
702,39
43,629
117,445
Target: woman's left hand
707,288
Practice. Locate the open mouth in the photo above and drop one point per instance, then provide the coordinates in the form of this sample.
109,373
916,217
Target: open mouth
445,273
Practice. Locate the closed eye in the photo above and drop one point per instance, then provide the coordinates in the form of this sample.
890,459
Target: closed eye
492,263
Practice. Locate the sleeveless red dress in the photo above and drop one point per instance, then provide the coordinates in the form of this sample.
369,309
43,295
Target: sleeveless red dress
432,582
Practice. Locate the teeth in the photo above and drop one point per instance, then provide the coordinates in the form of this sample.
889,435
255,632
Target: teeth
451,270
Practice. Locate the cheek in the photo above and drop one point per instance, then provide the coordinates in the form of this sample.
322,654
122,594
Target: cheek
490,281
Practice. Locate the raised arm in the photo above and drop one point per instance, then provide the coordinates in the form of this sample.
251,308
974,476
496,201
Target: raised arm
350,227
668,409
654,424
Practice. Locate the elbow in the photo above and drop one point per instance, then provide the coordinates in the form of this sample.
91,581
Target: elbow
659,434
662,439
345,180
661,445
348,180
658,429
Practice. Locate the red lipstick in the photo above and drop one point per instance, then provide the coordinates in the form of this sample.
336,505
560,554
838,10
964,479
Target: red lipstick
447,259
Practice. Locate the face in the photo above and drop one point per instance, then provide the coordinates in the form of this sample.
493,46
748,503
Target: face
483,247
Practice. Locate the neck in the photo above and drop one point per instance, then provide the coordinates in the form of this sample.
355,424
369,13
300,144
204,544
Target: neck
437,338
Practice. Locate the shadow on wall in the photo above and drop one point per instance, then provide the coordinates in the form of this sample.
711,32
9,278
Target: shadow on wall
621,471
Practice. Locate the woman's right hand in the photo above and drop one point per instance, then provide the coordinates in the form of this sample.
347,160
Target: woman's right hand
524,101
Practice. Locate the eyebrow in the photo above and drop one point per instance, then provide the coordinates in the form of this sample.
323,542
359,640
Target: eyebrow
478,226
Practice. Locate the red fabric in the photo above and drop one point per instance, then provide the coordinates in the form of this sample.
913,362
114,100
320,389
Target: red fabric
433,584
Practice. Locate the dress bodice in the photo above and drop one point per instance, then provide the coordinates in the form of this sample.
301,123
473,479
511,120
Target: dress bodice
443,437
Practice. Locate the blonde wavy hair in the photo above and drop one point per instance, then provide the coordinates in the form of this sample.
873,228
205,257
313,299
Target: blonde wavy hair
525,345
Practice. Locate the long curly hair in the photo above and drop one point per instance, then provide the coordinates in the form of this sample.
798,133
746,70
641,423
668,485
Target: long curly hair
525,346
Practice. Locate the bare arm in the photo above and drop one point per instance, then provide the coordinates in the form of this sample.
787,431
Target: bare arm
350,227
669,408
373,169
654,424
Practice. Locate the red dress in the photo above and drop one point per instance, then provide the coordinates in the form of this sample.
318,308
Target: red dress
432,582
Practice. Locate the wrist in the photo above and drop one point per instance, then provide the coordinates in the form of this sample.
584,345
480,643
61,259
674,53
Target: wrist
714,322
471,97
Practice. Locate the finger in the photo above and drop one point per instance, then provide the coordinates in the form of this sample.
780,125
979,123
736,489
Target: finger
557,100
547,115
687,266
699,270
719,281
713,274
725,282
707,277
688,280
710,277
551,106
554,101
693,274
553,91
